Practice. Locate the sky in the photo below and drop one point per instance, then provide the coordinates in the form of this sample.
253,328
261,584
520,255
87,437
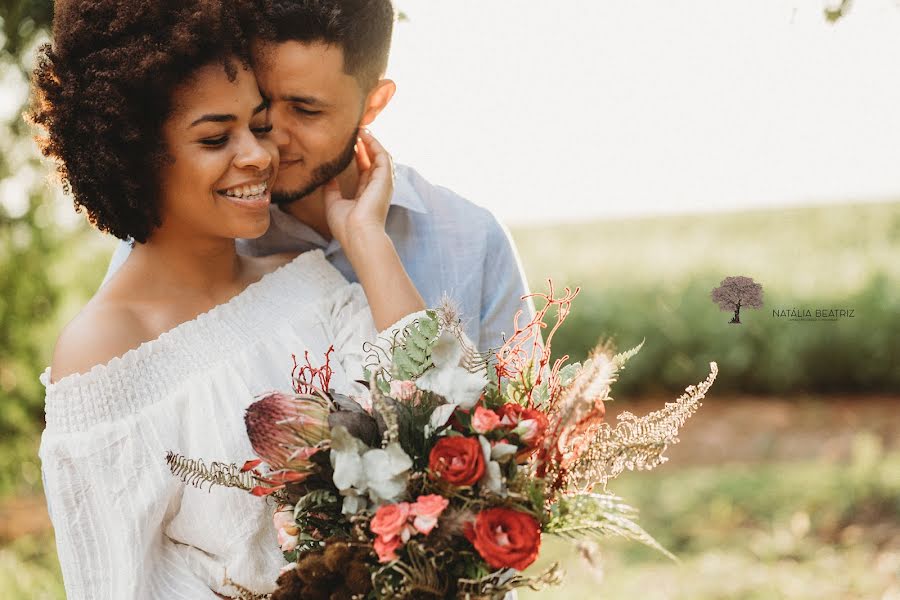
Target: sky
572,110
569,110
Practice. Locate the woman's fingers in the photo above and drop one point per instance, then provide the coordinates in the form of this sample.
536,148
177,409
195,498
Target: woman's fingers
377,154
363,161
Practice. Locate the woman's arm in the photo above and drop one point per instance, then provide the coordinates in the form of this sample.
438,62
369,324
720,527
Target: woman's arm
358,224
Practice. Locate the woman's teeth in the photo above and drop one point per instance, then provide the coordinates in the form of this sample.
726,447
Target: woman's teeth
246,191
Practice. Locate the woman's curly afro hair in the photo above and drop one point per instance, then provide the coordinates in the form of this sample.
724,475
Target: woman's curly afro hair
103,90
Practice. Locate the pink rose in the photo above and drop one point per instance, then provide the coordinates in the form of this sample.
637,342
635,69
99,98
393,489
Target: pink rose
390,520
485,420
286,540
283,517
386,549
404,391
288,532
426,510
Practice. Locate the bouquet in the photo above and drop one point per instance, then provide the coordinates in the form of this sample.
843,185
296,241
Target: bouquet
442,479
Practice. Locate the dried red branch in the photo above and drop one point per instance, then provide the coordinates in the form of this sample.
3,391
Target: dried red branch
307,378
513,358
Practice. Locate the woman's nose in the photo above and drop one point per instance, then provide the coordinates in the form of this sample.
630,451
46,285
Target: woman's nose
254,155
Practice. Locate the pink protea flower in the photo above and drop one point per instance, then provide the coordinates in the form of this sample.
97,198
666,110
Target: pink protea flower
285,429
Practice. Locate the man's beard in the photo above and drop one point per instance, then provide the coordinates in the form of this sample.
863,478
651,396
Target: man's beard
321,175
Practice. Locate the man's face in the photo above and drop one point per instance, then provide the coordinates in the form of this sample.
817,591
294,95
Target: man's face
315,112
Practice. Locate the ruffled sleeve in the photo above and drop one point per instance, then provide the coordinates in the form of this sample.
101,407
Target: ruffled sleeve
350,325
107,501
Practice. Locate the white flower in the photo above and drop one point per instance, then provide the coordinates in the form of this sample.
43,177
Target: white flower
448,379
501,451
362,473
349,477
491,480
386,472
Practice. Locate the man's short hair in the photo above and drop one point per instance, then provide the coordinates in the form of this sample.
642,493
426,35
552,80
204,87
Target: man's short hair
361,28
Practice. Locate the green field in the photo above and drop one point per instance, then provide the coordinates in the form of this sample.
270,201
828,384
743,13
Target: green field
788,519
651,278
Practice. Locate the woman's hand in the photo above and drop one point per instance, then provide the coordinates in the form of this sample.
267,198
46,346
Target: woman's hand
358,225
354,220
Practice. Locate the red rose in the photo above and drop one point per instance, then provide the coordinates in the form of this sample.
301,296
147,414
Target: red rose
457,460
529,424
505,538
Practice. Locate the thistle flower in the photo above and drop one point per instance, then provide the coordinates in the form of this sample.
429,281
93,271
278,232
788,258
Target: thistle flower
285,429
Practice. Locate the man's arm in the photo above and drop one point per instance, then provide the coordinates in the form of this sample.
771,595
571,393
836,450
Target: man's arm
118,258
503,286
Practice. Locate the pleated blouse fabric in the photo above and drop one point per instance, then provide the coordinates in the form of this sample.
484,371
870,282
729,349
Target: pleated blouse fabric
125,526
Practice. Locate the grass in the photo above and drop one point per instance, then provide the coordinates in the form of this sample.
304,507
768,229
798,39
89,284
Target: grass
651,278
796,531
792,530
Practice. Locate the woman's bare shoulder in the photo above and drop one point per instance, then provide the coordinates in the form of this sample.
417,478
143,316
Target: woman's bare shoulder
102,331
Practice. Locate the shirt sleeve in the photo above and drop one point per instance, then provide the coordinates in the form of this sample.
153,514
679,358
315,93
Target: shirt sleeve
503,285
118,259
107,505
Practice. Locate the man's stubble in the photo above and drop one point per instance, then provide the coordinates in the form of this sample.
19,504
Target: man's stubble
321,175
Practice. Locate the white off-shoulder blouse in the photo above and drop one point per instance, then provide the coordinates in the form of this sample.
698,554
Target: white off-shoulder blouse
125,526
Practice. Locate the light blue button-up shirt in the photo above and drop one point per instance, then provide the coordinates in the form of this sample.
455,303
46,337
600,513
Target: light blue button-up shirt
447,244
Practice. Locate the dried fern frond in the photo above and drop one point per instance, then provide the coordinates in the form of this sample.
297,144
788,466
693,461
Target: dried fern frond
195,472
243,593
637,443
590,384
449,319
500,582
387,411
622,357
598,515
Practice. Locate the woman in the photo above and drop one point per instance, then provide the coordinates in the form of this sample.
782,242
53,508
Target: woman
161,134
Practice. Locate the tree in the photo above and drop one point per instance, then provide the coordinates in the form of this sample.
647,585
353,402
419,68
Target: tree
735,292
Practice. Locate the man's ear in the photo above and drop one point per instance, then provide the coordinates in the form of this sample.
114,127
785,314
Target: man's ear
377,99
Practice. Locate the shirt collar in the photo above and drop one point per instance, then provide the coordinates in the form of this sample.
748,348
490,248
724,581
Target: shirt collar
405,194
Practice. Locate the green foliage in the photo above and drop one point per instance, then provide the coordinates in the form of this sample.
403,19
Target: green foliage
598,515
651,278
47,269
412,353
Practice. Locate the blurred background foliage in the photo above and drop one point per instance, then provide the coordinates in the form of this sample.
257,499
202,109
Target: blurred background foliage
787,483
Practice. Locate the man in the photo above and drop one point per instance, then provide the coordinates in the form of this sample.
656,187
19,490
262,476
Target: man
321,65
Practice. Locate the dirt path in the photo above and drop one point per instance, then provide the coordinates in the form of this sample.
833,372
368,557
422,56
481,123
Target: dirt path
762,429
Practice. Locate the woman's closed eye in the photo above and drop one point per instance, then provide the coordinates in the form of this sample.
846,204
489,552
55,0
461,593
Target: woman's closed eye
215,142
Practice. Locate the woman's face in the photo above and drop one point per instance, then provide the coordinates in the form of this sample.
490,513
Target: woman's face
222,163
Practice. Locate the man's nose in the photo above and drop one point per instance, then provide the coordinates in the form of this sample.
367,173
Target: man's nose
279,134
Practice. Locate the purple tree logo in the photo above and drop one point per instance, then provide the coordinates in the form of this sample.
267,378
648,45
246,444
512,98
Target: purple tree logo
736,292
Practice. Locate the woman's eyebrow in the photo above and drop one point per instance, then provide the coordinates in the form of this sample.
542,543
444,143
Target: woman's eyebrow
217,118
214,119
